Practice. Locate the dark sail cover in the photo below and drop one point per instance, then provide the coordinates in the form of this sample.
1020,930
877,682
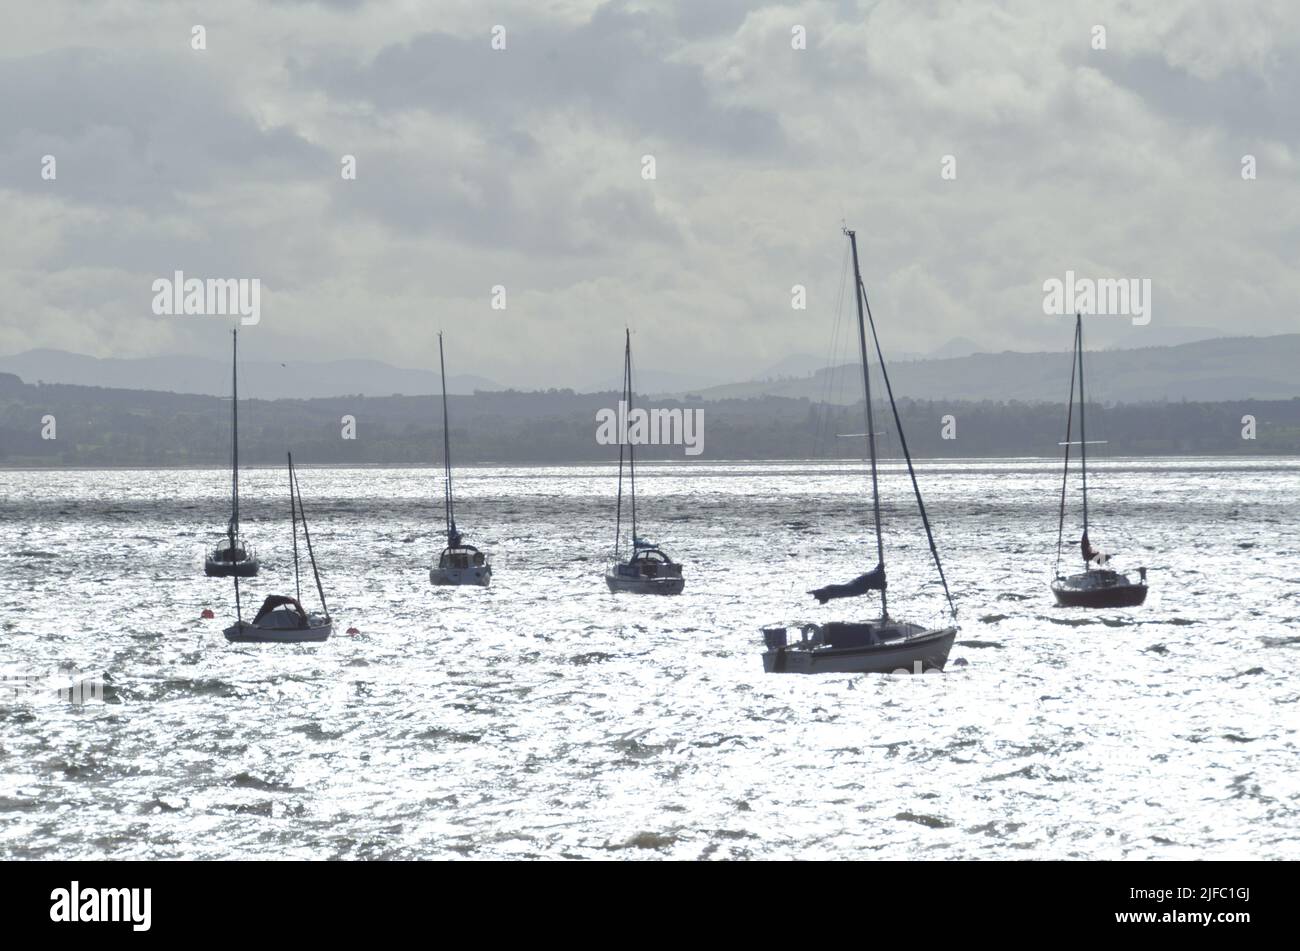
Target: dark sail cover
873,580
274,601
1092,555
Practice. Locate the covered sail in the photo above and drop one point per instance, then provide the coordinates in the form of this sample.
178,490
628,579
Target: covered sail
1092,555
873,580
274,601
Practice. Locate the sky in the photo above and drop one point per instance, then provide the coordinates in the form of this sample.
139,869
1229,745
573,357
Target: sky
524,168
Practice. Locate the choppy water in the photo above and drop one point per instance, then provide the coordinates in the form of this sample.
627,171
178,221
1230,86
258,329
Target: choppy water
546,717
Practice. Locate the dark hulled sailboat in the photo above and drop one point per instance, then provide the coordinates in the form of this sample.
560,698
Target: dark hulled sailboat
282,619
1097,586
236,558
647,569
885,645
459,564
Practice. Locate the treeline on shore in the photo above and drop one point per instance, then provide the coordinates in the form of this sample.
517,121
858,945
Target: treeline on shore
63,425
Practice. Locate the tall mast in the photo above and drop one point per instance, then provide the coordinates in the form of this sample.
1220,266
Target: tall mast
452,539
631,448
1083,433
232,529
1069,432
859,292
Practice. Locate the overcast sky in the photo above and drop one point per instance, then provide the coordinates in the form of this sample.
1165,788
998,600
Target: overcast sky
523,167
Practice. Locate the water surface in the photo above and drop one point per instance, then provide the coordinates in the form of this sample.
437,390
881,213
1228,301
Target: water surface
544,717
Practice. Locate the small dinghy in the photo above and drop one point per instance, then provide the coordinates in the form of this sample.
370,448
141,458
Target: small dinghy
282,619
235,559
1098,585
647,569
459,564
886,645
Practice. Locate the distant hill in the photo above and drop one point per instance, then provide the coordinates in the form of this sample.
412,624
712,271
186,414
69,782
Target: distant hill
1226,368
266,379
117,427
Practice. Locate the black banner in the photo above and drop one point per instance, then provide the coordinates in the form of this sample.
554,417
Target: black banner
251,900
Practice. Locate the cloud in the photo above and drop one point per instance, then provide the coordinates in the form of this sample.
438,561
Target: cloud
522,168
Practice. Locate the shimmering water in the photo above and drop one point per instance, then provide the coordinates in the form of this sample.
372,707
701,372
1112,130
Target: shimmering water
546,717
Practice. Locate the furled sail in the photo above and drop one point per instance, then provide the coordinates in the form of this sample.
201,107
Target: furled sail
873,580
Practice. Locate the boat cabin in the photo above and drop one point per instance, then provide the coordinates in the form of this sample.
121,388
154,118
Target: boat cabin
230,555
650,563
461,556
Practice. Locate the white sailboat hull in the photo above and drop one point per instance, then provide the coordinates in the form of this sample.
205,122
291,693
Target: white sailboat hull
623,585
478,575
281,627
900,648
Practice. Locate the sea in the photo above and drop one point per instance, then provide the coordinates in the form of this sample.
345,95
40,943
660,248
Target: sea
544,717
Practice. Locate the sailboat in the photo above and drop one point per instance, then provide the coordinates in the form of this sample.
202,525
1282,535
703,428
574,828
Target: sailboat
647,569
282,619
236,559
885,645
459,563
1097,586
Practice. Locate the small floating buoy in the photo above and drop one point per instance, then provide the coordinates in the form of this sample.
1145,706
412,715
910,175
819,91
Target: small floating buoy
207,614
353,630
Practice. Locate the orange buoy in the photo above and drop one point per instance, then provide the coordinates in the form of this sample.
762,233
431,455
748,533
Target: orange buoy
207,614
353,630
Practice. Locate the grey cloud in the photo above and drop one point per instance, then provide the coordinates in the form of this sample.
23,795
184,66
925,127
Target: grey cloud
617,66
1246,103
135,129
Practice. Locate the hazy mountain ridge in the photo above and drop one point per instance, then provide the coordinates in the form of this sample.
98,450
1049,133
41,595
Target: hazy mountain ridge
1226,368
267,379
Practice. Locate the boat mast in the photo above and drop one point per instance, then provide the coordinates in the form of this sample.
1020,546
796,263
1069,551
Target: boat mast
859,292
232,528
631,448
1069,431
1083,433
453,536
902,443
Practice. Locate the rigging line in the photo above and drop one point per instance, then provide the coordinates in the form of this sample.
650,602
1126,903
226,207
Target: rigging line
1083,433
902,439
293,516
631,447
1065,474
871,426
320,589
618,512
232,528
